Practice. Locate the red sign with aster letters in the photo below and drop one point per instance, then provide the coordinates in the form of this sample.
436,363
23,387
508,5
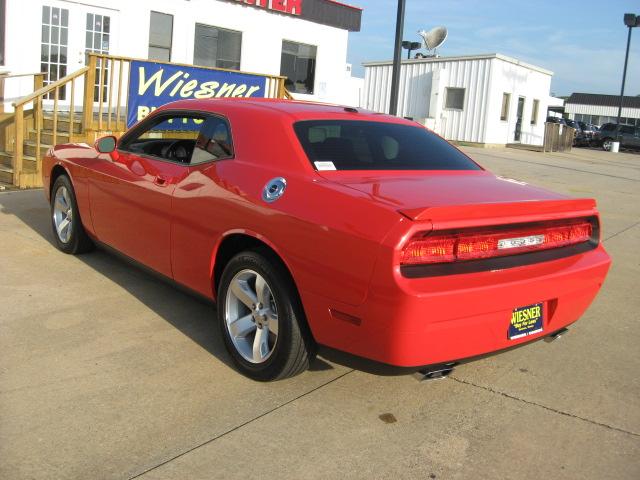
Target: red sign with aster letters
292,7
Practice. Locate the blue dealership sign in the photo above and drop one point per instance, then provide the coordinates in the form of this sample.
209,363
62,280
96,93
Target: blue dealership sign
152,85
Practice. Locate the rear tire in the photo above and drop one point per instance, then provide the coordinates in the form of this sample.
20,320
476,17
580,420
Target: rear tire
68,232
261,318
606,144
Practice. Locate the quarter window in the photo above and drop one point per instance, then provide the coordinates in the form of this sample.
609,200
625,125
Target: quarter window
217,47
504,111
298,64
182,138
454,98
160,35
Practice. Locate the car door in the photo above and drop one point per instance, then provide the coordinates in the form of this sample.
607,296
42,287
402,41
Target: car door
202,203
131,191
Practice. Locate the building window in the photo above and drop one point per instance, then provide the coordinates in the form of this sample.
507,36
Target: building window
217,47
97,41
504,112
53,49
3,16
534,112
454,98
160,34
298,64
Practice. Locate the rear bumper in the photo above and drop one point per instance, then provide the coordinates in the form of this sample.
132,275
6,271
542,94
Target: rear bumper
415,322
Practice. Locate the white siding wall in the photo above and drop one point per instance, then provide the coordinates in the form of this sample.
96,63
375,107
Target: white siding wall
601,110
518,81
262,35
485,78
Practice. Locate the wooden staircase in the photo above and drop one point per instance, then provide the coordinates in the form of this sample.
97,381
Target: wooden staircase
30,145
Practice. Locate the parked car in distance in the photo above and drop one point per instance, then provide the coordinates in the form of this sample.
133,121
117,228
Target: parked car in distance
312,224
577,131
627,135
585,136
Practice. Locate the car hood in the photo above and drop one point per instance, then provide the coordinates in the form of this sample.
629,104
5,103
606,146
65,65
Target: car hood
428,195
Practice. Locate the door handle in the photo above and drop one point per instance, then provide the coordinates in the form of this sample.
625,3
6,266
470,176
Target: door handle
160,180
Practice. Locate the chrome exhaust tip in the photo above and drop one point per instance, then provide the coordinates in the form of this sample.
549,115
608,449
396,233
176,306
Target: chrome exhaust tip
435,372
555,335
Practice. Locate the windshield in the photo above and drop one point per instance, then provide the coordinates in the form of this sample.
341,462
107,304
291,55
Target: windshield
362,145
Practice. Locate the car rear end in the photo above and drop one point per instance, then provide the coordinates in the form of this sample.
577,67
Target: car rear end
444,291
476,263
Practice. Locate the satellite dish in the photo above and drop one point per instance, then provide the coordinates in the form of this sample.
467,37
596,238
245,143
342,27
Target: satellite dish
433,38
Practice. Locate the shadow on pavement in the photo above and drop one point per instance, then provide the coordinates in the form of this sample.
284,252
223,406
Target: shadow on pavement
190,313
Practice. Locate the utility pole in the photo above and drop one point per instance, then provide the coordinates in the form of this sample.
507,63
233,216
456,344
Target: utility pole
630,20
397,60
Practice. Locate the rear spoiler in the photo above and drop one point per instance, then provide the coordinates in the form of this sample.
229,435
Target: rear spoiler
485,214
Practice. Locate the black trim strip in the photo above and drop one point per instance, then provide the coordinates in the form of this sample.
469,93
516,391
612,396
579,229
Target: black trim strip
500,263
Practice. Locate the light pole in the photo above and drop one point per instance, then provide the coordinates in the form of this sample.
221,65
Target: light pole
630,20
397,58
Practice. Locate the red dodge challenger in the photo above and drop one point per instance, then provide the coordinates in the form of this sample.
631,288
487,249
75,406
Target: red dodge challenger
314,224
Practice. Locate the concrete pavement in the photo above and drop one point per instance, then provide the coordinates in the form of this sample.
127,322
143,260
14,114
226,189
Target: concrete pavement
107,372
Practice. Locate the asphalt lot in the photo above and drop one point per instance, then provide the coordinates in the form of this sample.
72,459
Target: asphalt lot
107,372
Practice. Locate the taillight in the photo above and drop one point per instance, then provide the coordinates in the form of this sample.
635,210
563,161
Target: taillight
476,244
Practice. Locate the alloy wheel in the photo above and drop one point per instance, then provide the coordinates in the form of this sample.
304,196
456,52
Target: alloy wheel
63,214
251,316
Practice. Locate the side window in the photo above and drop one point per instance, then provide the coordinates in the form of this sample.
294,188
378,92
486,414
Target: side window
181,138
627,129
167,137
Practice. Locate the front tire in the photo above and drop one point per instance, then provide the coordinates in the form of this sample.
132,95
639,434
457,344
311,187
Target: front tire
606,144
68,232
261,318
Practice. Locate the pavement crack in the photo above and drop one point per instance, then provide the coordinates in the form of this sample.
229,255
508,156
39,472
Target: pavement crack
237,427
621,231
539,405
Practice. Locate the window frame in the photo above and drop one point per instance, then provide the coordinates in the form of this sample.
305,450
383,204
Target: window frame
446,97
150,45
141,127
315,64
240,32
504,116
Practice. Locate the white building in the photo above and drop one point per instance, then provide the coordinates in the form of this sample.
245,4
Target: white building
487,99
600,109
304,40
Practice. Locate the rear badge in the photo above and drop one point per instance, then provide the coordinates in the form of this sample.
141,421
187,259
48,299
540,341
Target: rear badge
520,242
526,321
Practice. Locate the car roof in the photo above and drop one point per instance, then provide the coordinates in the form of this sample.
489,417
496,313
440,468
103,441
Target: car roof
295,110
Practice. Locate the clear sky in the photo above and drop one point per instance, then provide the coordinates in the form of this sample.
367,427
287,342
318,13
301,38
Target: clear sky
582,42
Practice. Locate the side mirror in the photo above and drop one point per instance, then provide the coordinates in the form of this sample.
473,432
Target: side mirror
105,144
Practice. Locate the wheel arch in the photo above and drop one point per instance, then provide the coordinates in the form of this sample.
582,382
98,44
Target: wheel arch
56,171
235,241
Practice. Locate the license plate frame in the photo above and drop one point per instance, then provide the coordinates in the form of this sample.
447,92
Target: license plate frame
525,321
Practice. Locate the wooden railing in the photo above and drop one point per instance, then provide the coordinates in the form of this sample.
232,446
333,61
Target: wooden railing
109,74
36,98
105,80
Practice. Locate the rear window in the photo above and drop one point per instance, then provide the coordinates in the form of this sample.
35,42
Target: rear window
361,145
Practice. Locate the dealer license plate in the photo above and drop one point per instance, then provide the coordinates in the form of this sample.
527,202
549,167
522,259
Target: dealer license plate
526,321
